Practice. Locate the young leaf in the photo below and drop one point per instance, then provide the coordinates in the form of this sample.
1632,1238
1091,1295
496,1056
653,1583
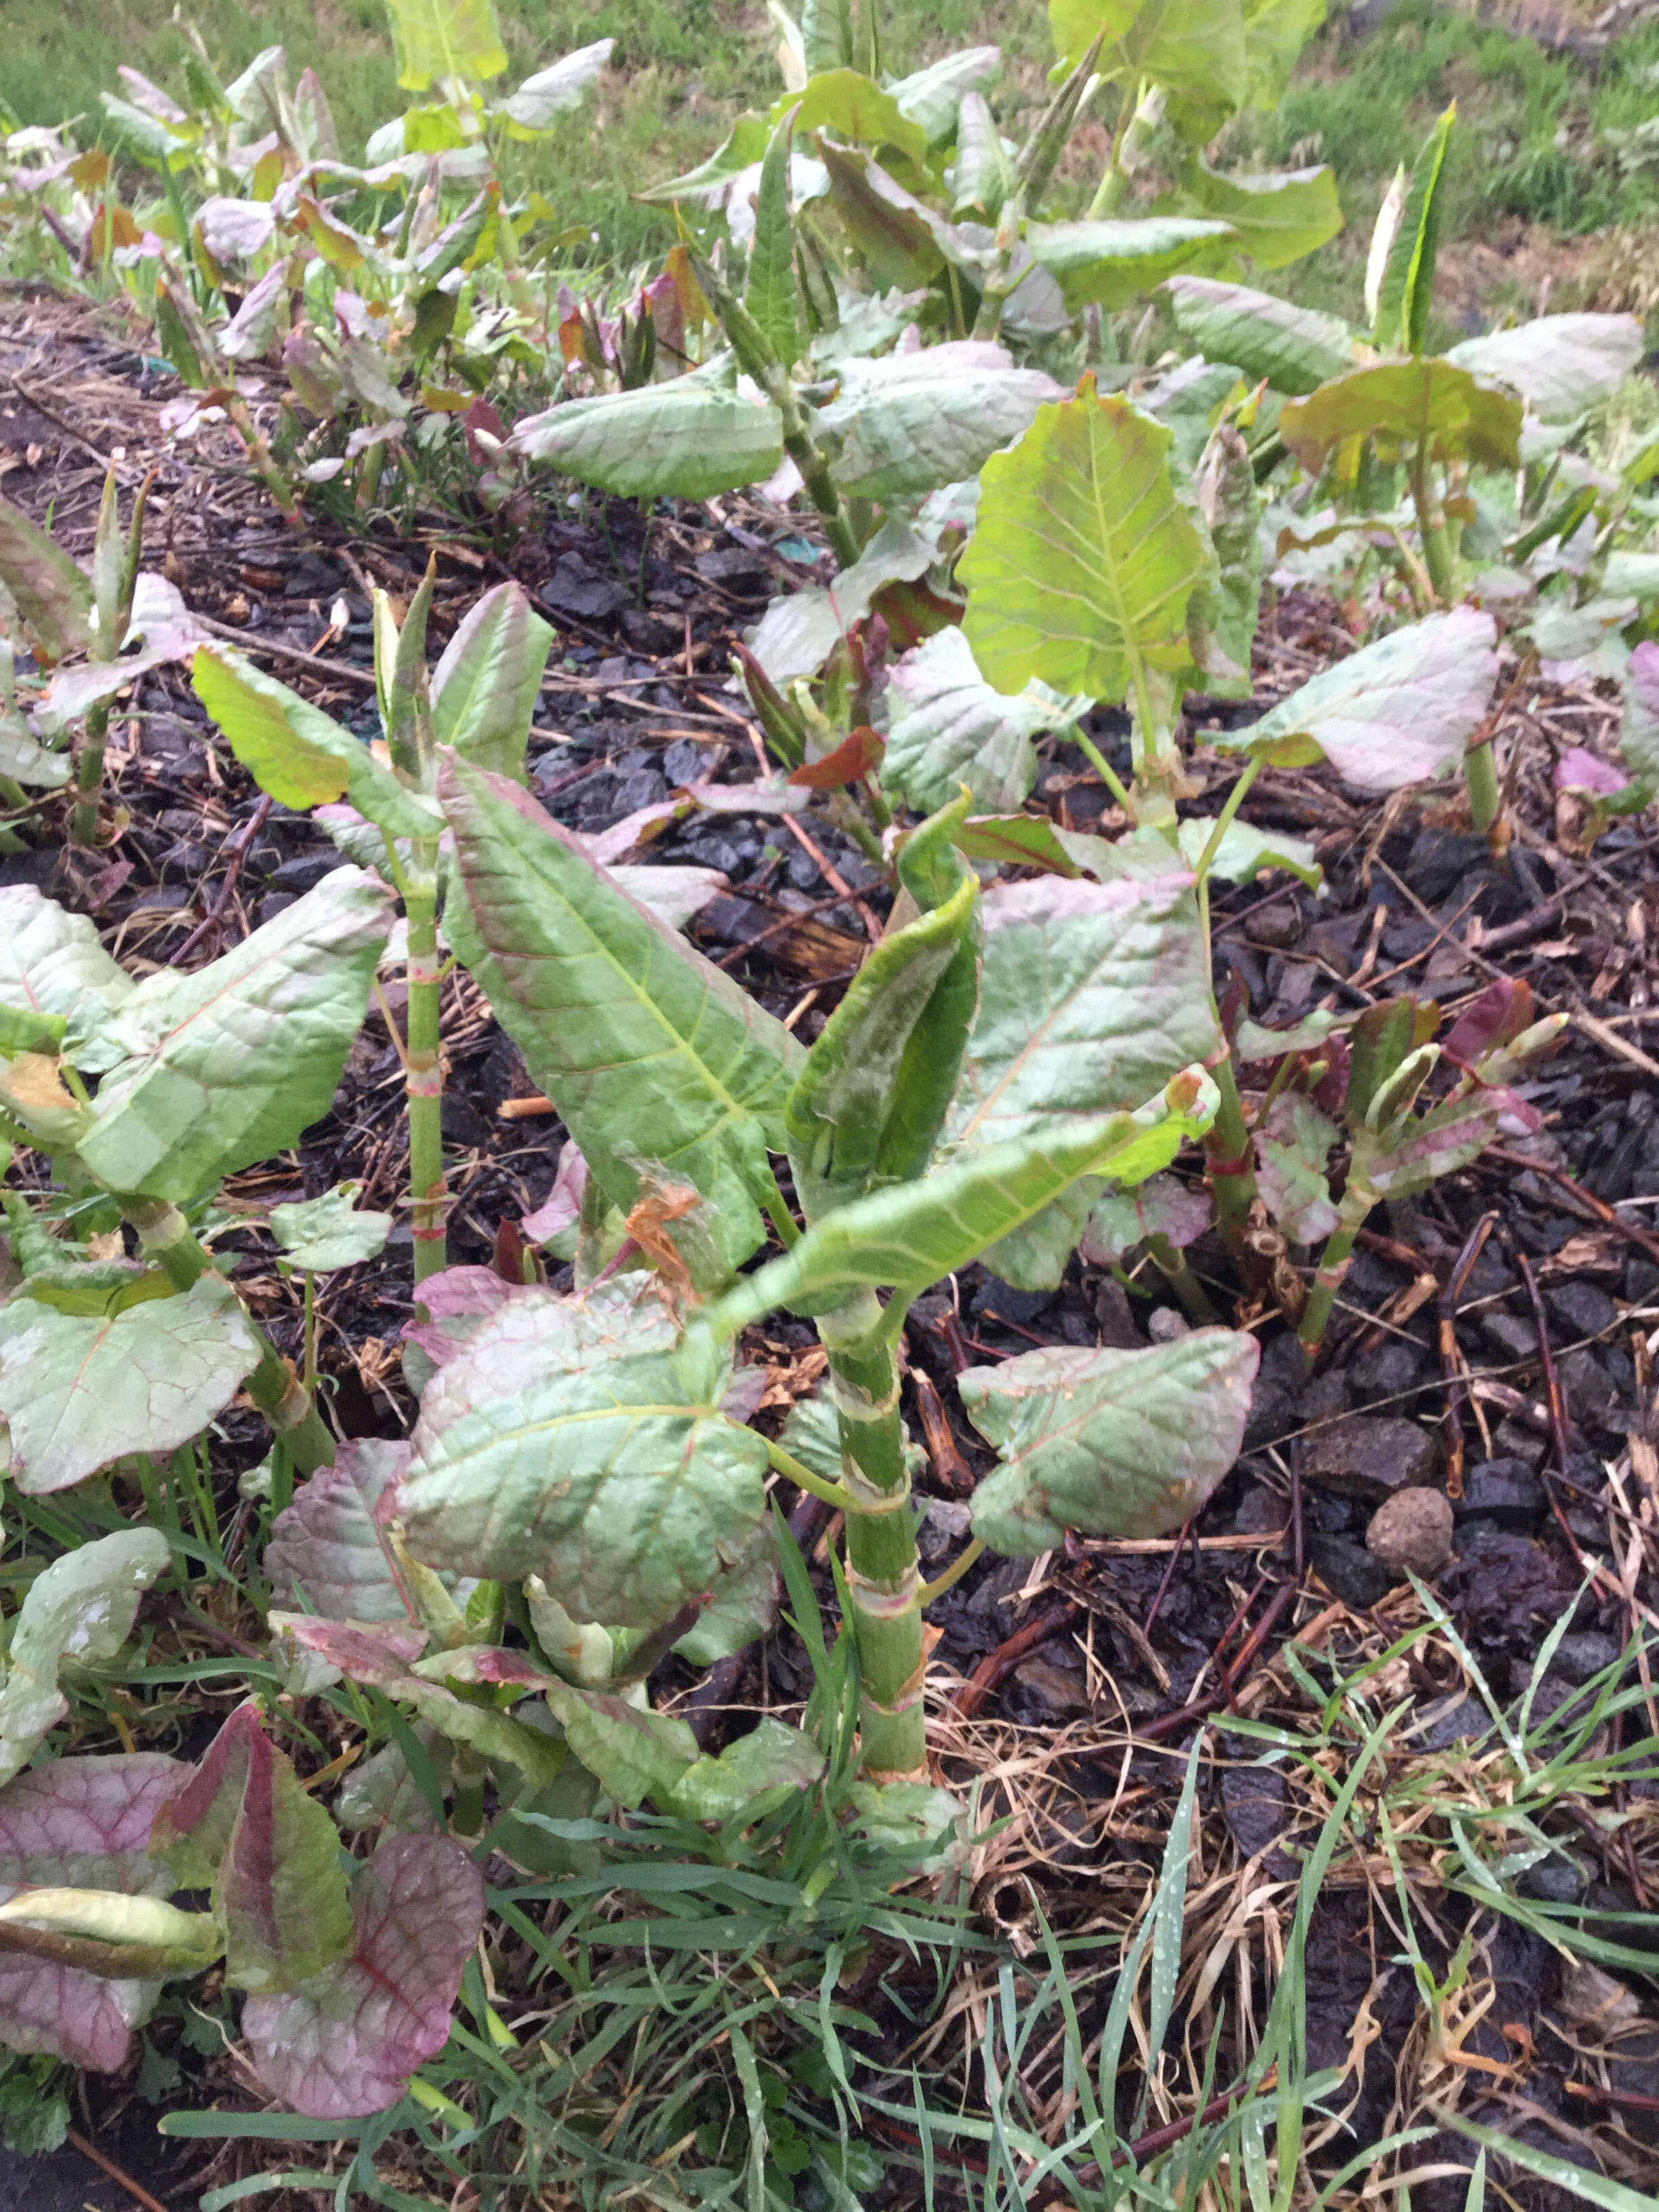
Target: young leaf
1446,411
53,963
531,109
1292,1147
326,1552
1110,1444
1443,1140
328,1232
1276,219
234,1061
1192,46
932,96
243,1824
752,1776
81,1823
346,2043
52,597
440,38
643,1044
1638,726
826,35
799,632
1406,290
1245,852
743,1603
1275,31
1222,611
689,439
485,687
897,236
1080,569
1296,348
1163,1207
917,1233
81,1606
769,295
912,423
78,1391
1112,262
636,1753
1396,712
1561,364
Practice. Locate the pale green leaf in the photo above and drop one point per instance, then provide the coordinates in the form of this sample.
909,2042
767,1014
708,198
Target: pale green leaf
951,728
52,963
1398,711
1106,1442
1406,404
984,173
1163,1207
79,1391
826,34
635,1753
1296,348
800,630
328,1232
912,423
1406,289
1084,559
438,39
27,761
1277,218
691,438
1275,31
1245,852
1111,262
741,150
759,1772
50,592
485,687
932,96
647,1049
1191,46
79,1608
1560,364
770,294
541,99
1223,609
236,1061
848,103
1639,725
1292,1145
897,236
1438,1143
744,1602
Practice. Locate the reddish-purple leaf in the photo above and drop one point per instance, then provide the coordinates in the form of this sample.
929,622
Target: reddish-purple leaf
564,1201
1162,1207
1292,1147
347,2042
327,1551
458,1300
79,1824
1502,1010
1578,770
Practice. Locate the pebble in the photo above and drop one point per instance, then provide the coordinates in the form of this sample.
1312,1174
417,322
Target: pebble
1505,1492
1348,1570
1412,1530
1371,1457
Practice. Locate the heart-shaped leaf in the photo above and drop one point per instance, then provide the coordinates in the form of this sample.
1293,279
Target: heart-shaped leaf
689,439
911,422
325,1233
53,965
326,1552
1275,219
949,727
1112,262
79,1608
1192,47
1560,364
1407,405
437,39
760,1770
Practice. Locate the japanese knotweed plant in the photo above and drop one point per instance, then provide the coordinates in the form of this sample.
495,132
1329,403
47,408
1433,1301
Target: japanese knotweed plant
479,700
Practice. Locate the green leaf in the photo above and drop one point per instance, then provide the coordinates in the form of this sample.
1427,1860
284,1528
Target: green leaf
26,760
53,965
744,1601
438,39
1398,711
1112,262
951,728
1109,1443
896,236
81,1606
52,597
327,1552
1406,290
646,1047
328,1232
932,96
297,753
846,102
79,1391
917,1233
1081,566
1440,1142
532,111
1245,851
747,144
485,688
236,1061
691,438
866,1107
614,1477
1222,611
826,34
1192,46
752,1777
1562,2173
984,173
1561,364
1275,31
769,295
635,1753
912,423
800,630
1279,218
1296,348
1021,841
108,1932
1292,1145
1407,405
1163,1207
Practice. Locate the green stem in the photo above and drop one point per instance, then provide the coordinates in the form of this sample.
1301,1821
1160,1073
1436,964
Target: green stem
1224,819
1436,547
310,1333
1480,774
1172,1264
776,1210
883,1583
813,463
424,1079
1113,185
1103,768
952,1574
89,776
1358,1201
273,1386
1232,1167
794,1470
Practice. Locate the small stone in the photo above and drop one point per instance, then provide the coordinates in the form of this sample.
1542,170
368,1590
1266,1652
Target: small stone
1505,1492
1460,1724
1439,859
462,1123
1057,1693
1558,1879
273,904
1581,1657
1508,1333
1514,1440
1389,1371
306,871
1586,1311
1001,1301
1116,1316
1324,1398
1277,925
684,762
1261,1512
1165,1323
1370,1457
1591,1393
1348,1570
1413,1530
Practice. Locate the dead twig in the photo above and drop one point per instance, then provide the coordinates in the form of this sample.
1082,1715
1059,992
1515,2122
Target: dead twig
1450,1360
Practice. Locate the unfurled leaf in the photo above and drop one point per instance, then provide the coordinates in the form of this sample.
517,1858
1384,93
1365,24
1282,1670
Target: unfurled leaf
297,753
327,1232
895,235
81,1823
691,438
1292,1147
1396,712
1162,1207
647,1048
1405,288
243,1824
1192,46
1276,219
382,1792
950,728
52,964
1112,262
440,38
798,633
1296,348
236,1061
932,96
552,92
769,295
855,108
605,1468
759,1772
1109,1443
485,688
636,1753
743,1603
1084,559
26,760
79,1608
108,1932
742,149
78,1391
1440,1142
1245,852
912,423
918,1233
1446,411
1560,364
326,1554
347,2042
984,172
1223,609
52,595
